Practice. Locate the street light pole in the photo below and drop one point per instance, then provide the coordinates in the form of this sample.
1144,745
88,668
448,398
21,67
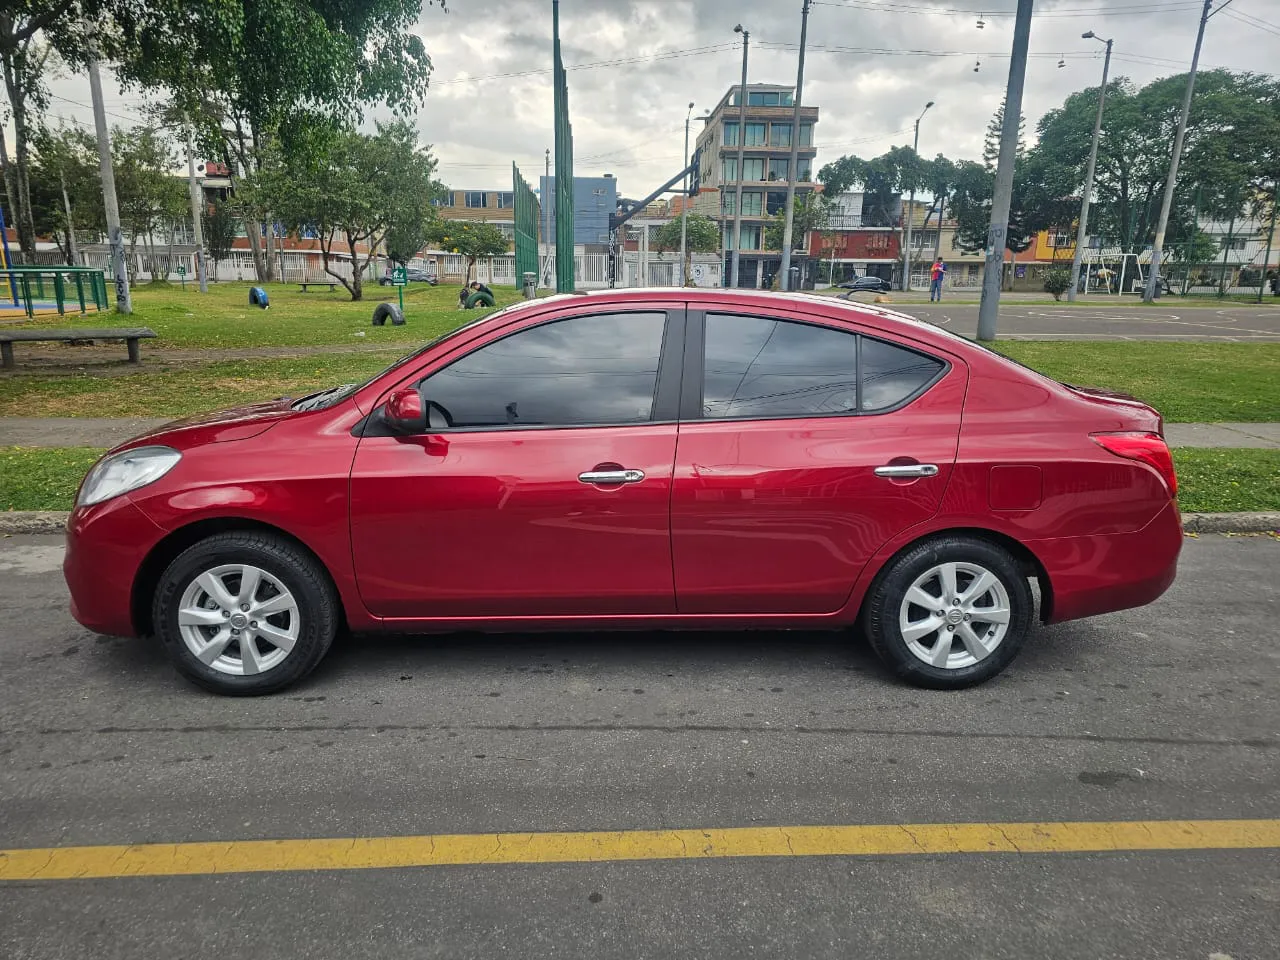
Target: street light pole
742,140
788,218
1153,275
906,262
684,203
1002,195
1083,225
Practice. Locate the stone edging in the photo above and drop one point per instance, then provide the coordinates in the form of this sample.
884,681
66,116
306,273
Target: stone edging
42,521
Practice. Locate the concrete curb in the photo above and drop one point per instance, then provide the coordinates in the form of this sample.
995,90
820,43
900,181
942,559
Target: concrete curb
51,521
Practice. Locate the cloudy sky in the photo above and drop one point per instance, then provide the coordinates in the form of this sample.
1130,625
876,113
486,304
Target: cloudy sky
634,65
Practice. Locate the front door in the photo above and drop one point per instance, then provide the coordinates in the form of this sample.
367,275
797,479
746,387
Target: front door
811,446
542,486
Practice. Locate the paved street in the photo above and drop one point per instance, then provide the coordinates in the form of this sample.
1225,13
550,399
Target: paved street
1165,321
1172,712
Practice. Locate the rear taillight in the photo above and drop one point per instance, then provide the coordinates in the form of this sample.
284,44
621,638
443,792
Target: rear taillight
1148,448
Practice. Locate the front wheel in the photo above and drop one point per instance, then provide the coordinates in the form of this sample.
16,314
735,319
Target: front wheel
245,613
949,613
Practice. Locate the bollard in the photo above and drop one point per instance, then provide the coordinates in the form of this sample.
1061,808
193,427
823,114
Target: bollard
530,285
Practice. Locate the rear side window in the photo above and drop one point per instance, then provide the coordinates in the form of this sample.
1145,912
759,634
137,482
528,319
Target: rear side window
600,369
755,367
891,374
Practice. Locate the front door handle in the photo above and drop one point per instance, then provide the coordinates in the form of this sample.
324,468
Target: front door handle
900,470
611,476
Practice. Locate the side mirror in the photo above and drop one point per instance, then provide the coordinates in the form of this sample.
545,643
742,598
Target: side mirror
405,412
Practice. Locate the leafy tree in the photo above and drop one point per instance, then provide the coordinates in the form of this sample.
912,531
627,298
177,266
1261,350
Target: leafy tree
65,188
883,180
23,60
353,187
150,198
702,236
1056,282
471,239
811,215
220,227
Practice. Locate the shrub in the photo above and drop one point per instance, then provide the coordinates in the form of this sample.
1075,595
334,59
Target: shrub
1057,282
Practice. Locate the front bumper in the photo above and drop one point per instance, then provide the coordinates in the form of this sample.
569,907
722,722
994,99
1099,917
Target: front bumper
106,546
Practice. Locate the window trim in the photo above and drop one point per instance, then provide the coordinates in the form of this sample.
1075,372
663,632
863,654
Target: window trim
691,396
666,391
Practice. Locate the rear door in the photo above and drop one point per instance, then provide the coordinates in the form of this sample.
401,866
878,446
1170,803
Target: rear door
542,486
803,448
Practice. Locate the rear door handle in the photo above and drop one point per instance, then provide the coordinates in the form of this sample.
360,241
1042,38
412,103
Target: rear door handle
899,470
611,476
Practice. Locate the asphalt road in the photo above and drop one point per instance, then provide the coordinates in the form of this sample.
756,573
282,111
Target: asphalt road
1172,712
1171,321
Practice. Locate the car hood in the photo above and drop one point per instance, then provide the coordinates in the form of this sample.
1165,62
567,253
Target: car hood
236,423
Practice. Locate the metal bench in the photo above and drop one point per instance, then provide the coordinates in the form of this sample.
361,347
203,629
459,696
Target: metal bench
319,283
130,335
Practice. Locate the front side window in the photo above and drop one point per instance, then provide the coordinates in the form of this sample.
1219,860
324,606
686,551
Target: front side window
596,370
755,368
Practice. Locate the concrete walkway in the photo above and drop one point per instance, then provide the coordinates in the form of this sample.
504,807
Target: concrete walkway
107,432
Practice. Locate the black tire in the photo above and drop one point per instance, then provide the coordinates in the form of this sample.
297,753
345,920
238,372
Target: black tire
387,311
884,604
479,299
318,607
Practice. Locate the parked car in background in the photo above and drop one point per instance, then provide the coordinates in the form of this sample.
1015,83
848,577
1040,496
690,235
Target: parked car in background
683,459
413,275
866,284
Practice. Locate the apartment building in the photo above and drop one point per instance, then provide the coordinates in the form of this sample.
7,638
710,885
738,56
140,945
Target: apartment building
765,136
488,206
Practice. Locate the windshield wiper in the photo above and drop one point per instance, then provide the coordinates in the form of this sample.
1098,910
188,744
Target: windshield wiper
317,400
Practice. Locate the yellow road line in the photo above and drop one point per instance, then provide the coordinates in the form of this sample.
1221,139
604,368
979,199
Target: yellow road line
365,853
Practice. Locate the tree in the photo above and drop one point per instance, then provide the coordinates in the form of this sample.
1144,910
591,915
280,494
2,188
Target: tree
150,198
22,61
66,191
258,77
995,130
220,227
351,186
811,214
702,235
471,239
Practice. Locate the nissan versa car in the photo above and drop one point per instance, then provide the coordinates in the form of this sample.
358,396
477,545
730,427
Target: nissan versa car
659,459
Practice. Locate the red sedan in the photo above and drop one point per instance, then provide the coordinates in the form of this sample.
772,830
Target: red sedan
658,459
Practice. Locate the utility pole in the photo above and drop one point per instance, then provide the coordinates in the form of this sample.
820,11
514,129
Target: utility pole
1002,197
911,205
546,216
197,228
684,203
742,141
788,222
73,249
1083,225
1153,275
115,236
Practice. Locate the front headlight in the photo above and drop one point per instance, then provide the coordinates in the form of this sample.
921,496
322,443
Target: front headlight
126,471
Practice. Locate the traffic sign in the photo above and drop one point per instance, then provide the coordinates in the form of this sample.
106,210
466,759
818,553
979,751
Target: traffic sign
399,277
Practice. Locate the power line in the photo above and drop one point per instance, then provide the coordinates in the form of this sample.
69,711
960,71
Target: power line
621,61
1250,21
895,6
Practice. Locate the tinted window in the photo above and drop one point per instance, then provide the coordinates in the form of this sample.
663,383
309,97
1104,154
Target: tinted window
891,374
771,368
586,370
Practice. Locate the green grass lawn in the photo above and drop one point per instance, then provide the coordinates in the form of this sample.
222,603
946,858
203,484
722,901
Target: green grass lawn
1210,480
223,318
1187,382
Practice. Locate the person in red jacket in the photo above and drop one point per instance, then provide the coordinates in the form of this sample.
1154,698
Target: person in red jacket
936,275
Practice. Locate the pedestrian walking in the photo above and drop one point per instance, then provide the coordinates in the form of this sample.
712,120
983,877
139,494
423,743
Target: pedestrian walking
936,274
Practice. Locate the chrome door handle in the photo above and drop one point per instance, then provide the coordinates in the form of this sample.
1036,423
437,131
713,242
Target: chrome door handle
611,476
898,471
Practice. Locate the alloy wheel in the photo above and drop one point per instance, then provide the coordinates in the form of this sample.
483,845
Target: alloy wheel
238,619
954,615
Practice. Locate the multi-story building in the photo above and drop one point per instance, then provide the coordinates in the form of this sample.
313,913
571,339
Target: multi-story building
488,206
765,136
595,199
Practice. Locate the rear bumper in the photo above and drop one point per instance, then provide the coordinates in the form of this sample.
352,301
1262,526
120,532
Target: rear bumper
1100,574
106,545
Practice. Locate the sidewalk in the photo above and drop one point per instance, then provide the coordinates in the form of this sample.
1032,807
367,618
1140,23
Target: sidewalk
107,432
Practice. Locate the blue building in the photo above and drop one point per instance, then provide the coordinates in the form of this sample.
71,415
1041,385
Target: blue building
594,200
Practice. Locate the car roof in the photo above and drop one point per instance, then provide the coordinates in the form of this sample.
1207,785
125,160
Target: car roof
886,319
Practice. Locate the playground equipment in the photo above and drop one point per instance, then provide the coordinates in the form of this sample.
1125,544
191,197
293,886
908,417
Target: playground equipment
45,291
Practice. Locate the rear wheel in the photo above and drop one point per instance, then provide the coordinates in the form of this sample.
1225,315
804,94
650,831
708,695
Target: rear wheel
245,613
949,613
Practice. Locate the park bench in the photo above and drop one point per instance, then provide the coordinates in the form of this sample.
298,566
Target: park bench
131,336
319,283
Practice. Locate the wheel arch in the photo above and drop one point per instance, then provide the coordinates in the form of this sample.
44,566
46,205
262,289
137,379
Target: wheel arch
174,543
1027,561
